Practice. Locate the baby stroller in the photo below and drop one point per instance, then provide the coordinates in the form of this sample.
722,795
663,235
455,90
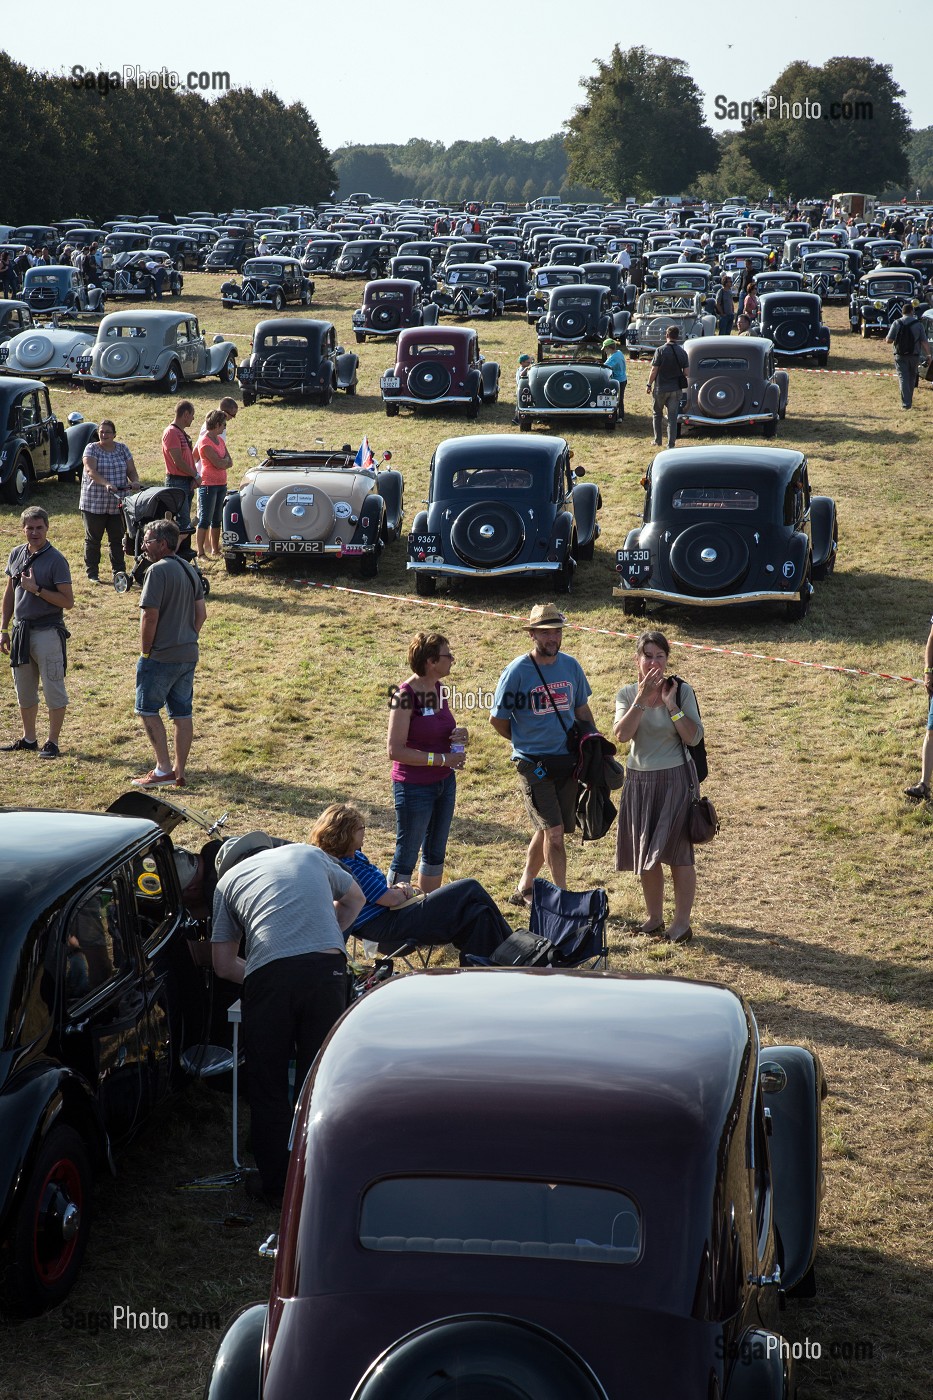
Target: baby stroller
140,510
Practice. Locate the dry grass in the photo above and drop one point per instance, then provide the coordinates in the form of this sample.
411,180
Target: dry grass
814,903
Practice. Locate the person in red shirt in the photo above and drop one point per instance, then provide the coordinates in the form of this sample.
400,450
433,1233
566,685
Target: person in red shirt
213,459
178,454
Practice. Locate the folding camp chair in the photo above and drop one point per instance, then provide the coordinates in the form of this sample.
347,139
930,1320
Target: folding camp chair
574,921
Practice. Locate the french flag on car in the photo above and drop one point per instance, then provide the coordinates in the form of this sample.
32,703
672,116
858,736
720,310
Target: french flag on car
364,458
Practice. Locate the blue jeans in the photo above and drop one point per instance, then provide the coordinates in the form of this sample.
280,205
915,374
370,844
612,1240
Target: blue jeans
211,507
168,683
725,325
423,813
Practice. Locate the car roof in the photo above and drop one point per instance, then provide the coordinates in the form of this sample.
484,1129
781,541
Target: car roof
795,298
10,386
394,284
698,349
439,335
454,453
146,316
46,855
292,325
688,464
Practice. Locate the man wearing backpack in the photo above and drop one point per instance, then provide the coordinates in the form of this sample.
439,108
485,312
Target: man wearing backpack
910,347
666,381
725,307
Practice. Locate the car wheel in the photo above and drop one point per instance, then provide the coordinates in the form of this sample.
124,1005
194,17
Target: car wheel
769,429
611,422
567,388
721,397
473,407
524,424
797,611
52,1225
822,360
429,379
709,559
228,374
369,564
391,410
863,330
93,388
171,379
235,563
488,534
278,301
326,396
634,607
567,568
16,487
425,585
306,298
350,391
248,398
360,337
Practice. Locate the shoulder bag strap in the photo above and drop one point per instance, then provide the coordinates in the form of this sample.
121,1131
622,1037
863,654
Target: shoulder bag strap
564,727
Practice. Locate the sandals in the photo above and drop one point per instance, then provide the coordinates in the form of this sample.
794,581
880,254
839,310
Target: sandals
684,937
521,898
920,792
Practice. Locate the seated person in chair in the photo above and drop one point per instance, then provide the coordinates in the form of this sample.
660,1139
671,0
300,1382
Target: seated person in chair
461,913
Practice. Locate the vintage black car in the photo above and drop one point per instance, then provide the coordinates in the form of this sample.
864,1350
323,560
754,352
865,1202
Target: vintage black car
782,280
99,997
188,254
364,257
644,1251
728,525
793,322
294,358
417,267
314,504
575,315
270,281
920,260
732,382
611,276
572,382
503,507
514,281
542,282
469,290
390,305
439,367
882,297
33,443
229,253
126,242
129,277
320,254
59,291
828,274
571,253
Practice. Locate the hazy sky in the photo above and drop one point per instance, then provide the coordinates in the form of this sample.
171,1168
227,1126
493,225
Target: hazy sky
374,70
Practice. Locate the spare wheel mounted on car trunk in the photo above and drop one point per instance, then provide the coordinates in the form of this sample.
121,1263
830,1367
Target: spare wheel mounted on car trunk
487,534
567,388
292,511
721,397
709,558
118,360
430,380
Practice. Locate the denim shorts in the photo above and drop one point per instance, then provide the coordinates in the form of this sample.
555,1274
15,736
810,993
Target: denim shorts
168,683
211,507
423,813
930,715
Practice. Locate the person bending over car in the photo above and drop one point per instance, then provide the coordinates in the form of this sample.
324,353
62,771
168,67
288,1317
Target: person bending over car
461,913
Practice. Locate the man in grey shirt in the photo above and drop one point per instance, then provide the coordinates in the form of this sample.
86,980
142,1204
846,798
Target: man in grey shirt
172,613
292,904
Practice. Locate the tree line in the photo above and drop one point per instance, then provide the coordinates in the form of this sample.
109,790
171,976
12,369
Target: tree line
68,149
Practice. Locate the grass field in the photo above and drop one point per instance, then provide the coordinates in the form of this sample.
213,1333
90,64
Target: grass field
813,903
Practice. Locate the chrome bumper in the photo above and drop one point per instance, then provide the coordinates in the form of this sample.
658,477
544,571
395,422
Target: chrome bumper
568,412
426,403
546,566
298,554
694,420
662,595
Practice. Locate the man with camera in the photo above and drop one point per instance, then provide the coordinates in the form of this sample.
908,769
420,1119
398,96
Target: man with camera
540,698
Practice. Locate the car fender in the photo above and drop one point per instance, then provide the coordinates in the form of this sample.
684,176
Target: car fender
347,366
759,1371
585,505
234,524
822,527
391,488
562,529
9,451
76,440
782,380
618,322
473,383
795,1149
490,376
419,525
429,314
237,1370
29,1107
372,510
219,354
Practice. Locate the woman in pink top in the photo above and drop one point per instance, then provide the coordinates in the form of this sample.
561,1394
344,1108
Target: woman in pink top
426,748
213,460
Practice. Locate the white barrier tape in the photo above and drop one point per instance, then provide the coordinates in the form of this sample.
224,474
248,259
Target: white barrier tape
611,632
872,373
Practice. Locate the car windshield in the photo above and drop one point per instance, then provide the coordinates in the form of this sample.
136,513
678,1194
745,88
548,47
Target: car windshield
678,282
478,277
714,498
826,264
226,245
526,1219
890,286
491,479
261,269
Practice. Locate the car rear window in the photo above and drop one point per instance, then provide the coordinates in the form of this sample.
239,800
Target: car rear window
722,362
521,1219
126,332
396,294
491,479
715,498
780,313
422,348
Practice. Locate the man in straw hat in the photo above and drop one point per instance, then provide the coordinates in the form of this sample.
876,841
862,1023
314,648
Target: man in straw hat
539,697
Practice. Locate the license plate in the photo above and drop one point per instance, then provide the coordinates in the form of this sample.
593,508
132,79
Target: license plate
605,401
296,546
390,381
634,564
424,544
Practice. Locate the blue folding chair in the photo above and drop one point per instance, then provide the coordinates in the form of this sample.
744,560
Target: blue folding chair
574,921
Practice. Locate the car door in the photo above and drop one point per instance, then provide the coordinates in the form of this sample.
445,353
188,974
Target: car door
35,430
53,433
101,998
190,349
169,980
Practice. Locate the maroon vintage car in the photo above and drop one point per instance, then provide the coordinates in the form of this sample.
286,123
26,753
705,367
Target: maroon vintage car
540,1185
439,366
390,305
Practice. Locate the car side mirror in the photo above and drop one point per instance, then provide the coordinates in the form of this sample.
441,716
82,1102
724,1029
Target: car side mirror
339,350
75,418
579,471
218,340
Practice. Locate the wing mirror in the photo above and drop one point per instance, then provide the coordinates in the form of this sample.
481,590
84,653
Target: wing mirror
75,418
218,339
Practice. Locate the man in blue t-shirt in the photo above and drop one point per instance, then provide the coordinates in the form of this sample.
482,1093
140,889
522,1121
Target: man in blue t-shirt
539,696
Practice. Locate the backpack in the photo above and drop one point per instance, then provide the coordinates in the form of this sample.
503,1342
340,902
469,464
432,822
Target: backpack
523,949
697,750
905,342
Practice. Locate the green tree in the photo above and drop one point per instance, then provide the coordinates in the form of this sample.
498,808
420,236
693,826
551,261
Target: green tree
366,170
641,129
858,141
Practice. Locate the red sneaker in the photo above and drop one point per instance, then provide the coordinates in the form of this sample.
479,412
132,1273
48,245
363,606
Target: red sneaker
154,779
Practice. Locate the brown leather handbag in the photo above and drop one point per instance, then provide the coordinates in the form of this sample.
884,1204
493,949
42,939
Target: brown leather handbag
702,821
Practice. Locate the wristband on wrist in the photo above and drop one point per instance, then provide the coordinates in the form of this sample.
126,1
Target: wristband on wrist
928,671
144,655
430,760
677,716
